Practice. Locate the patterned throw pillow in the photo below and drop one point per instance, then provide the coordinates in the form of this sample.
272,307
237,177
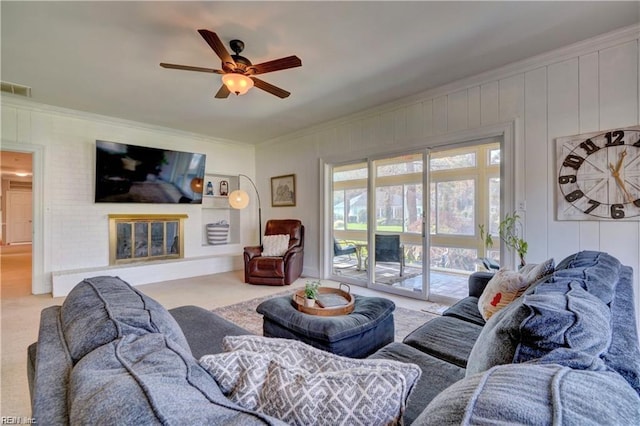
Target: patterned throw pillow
506,286
299,384
275,245
502,289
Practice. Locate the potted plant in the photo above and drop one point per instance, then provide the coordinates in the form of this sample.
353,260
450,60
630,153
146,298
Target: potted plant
310,293
508,230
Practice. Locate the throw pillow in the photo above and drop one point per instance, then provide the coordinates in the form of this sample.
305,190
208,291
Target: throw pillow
502,289
571,329
301,355
303,385
535,272
275,245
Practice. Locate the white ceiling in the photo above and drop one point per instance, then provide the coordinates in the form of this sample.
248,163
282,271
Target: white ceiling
103,57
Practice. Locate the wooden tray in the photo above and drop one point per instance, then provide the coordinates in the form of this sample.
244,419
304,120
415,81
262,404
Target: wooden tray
298,301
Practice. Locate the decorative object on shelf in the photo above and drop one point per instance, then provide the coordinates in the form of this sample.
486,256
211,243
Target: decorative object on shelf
209,188
217,233
196,185
283,191
509,231
598,175
224,188
239,199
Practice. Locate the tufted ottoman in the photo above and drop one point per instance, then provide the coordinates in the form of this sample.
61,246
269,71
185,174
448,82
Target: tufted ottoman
357,335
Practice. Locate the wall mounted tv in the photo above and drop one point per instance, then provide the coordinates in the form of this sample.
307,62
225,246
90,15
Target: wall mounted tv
137,174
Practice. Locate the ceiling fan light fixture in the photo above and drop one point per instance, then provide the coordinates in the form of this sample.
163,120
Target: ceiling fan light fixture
237,83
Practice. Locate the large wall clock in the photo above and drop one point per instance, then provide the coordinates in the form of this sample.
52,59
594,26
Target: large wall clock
598,175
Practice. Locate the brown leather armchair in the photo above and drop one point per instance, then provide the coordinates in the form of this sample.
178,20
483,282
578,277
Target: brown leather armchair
276,270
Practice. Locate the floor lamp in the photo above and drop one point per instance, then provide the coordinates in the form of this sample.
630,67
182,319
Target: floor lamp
239,199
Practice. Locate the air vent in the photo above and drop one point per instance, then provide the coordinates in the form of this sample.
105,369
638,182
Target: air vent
19,185
15,89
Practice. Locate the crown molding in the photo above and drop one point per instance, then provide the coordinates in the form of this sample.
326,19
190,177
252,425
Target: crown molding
8,100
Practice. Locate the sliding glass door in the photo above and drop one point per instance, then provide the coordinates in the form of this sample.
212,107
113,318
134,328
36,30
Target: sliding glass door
464,192
391,235
398,245
349,218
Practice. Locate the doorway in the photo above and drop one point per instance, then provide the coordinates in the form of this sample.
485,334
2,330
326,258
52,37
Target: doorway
16,212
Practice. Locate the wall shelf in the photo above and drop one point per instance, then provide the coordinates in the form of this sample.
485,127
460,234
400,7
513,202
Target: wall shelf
215,208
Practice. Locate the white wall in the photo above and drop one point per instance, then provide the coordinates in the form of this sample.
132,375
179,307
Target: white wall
74,234
592,85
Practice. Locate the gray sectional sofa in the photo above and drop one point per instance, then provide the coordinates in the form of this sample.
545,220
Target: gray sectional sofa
566,352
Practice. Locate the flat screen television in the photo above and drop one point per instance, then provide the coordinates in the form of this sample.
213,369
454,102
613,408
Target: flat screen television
137,174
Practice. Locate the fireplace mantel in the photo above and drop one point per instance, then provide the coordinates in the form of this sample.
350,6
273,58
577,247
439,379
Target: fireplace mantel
145,237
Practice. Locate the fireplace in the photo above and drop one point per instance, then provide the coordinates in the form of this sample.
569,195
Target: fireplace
145,237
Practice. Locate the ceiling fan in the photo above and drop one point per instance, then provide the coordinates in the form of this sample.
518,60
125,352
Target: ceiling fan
237,71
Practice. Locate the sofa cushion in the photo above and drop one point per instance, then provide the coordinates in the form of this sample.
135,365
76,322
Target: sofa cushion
101,309
204,329
52,368
300,384
149,379
597,272
437,375
447,338
570,329
623,355
535,395
466,310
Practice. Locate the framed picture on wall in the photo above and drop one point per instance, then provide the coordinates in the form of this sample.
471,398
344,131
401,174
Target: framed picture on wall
283,191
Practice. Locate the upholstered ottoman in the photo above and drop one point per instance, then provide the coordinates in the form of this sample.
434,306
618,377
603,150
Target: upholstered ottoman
357,335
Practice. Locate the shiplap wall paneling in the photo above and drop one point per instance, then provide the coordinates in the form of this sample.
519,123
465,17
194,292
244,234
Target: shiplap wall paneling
386,128
618,73
589,116
427,110
474,108
440,115
371,131
457,111
537,167
400,124
358,142
563,104
511,107
489,103
415,121
9,124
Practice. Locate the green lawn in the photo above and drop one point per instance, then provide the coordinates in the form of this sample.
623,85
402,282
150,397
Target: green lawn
383,228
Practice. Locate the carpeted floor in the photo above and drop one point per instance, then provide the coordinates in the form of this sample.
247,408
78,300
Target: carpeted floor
244,314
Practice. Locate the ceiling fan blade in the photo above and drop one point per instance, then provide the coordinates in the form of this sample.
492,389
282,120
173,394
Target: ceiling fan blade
275,65
223,92
216,44
274,90
190,68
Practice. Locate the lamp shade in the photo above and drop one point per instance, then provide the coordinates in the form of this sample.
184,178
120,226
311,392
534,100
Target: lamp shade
237,83
238,199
